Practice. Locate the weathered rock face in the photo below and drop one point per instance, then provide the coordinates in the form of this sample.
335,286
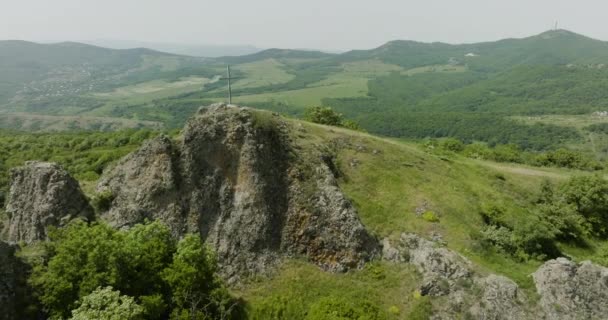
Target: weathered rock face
8,281
571,291
449,276
500,299
145,185
441,268
42,194
234,179
567,291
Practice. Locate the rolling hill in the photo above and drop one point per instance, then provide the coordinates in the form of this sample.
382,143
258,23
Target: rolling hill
492,214
404,88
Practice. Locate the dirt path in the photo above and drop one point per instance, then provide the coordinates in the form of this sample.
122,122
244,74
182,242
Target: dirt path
524,170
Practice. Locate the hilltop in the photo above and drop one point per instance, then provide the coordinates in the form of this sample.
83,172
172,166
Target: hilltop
289,206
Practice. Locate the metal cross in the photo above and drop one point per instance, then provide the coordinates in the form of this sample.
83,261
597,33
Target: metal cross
229,78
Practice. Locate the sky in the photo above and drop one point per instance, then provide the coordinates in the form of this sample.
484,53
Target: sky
318,24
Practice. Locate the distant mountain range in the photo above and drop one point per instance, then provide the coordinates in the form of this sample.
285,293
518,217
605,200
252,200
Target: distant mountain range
195,50
402,88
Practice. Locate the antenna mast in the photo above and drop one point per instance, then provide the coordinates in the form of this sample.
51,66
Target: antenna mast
229,86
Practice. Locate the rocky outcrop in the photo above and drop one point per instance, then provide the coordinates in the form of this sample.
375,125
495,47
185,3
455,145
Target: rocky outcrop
42,194
8,281
145,185
448,275
572,291
568,291
441,268
500,299
233,177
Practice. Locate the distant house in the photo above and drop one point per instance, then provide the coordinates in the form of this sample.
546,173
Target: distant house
471,54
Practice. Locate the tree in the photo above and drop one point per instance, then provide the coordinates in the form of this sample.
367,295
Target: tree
589,196
85,257
107,304
197,292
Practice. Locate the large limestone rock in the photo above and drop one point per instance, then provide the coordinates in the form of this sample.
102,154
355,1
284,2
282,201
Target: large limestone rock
42,194
8,281
441,268
572,291
568,291
235,178
500,299
451,278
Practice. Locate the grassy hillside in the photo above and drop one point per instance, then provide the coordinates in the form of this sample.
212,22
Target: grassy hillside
392,183
67,78
396,186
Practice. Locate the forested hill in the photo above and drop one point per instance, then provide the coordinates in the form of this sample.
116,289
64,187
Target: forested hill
402,88
558,47
32,71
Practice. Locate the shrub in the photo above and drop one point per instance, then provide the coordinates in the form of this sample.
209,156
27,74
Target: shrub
340,308
477,150
143,262
350,124
102,201
430,216
589,196
323,115
278,307
452,144
507,153
107,304
422,309
394,310
197,291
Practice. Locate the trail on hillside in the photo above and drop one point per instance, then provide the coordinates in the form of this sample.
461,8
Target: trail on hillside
524,171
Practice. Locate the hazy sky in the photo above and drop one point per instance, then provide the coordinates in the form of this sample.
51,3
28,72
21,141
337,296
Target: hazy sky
323,24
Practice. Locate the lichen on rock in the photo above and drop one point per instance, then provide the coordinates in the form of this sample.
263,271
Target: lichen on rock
572,291
451,277
42,194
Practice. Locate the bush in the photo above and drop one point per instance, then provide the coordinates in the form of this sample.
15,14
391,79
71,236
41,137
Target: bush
323,115
350,124
278,307
422,309
477,150
530,237
197,291
143,262
339,308
107,304
430,216
589,196
102,201
452,144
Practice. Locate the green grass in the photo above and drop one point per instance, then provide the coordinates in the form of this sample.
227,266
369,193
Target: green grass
48,123
435,68
155,89
390,182
262,73
298,285
595,143
393,179
312,96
